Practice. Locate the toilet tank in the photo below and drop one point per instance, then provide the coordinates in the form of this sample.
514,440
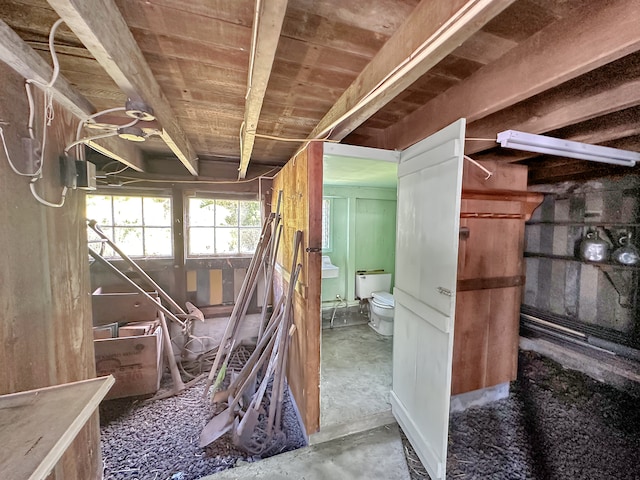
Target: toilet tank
367,283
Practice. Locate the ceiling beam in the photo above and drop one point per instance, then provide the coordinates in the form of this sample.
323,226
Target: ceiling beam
16,53
266,35
100,27
559,109
433,30
589,38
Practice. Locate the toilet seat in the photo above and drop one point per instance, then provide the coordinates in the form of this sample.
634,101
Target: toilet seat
383,299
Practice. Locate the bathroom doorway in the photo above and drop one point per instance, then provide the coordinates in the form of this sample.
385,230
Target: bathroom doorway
359,221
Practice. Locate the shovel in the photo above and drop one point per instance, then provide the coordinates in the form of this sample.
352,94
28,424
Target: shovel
217,426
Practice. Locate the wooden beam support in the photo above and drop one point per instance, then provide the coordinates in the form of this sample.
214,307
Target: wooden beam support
577,103
267,33
589,38
100,27
434,30
123,151
16,53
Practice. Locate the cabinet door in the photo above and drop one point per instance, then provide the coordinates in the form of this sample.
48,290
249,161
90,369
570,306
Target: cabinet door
429,193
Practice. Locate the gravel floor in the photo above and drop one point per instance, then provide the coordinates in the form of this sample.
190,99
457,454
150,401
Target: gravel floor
159,440
556,424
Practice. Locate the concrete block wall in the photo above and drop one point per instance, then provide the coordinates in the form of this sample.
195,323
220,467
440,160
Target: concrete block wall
569,287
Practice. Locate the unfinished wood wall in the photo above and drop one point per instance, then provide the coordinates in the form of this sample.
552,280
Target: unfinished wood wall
301,183
45,314
490,276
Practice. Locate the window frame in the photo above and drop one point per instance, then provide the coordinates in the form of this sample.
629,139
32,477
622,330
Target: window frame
327,223
215,197
143,227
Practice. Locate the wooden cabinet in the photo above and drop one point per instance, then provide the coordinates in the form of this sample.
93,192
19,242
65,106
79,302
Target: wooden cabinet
490,276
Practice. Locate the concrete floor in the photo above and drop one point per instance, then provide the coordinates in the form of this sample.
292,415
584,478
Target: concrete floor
355,374
374,454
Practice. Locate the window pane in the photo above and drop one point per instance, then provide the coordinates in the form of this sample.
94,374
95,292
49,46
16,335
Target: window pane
129,240
227,213
99,209
157,211
157,242
201,241
201,212
326,231
226,240
127,210
249,214
249,239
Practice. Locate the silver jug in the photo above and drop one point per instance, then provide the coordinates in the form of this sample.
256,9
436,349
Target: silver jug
627,254
593,248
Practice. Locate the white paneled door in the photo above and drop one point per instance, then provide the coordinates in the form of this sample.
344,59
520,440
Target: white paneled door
429,192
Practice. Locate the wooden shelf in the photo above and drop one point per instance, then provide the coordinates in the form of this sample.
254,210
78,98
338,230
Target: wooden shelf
582,224
37,426
606,266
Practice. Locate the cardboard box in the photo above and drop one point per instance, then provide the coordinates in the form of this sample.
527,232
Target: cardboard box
135,362
117,306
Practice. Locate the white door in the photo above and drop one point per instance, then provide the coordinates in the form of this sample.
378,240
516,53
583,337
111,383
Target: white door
429,192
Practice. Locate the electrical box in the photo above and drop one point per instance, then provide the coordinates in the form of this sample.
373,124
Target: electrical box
86,175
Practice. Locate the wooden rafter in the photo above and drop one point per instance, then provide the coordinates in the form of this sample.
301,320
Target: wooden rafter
267,33
558,110
433,30
591,37
102,29
25,60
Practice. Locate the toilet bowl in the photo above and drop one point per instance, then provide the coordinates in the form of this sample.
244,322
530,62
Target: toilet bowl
381,312
373,288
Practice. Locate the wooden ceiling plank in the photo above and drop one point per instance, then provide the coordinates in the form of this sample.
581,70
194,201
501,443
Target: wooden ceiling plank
268,30
100,27
436,28
16,53
564,50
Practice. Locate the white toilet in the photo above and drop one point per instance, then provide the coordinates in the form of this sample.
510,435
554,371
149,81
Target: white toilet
375,287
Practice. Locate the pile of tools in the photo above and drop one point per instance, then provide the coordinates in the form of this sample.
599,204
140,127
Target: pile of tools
254,395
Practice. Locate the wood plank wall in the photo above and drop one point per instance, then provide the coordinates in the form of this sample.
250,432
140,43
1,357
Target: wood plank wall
490,277
301,183
45,317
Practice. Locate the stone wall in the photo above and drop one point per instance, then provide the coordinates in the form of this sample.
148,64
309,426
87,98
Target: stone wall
558,282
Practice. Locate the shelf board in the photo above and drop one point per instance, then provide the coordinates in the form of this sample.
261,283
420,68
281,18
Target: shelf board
582,224
608,266
37,426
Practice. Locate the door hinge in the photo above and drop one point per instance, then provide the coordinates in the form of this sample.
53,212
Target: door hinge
444,291
313,249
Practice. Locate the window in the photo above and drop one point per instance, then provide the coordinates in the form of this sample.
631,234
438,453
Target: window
326,224
139,225
222,227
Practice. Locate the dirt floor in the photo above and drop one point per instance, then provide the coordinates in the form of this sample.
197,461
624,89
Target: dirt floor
556,424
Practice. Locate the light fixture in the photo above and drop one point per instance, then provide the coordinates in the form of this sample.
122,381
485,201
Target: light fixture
566,148
131,133
139,110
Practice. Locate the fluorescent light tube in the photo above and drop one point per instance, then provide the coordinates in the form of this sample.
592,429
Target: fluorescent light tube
566,148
